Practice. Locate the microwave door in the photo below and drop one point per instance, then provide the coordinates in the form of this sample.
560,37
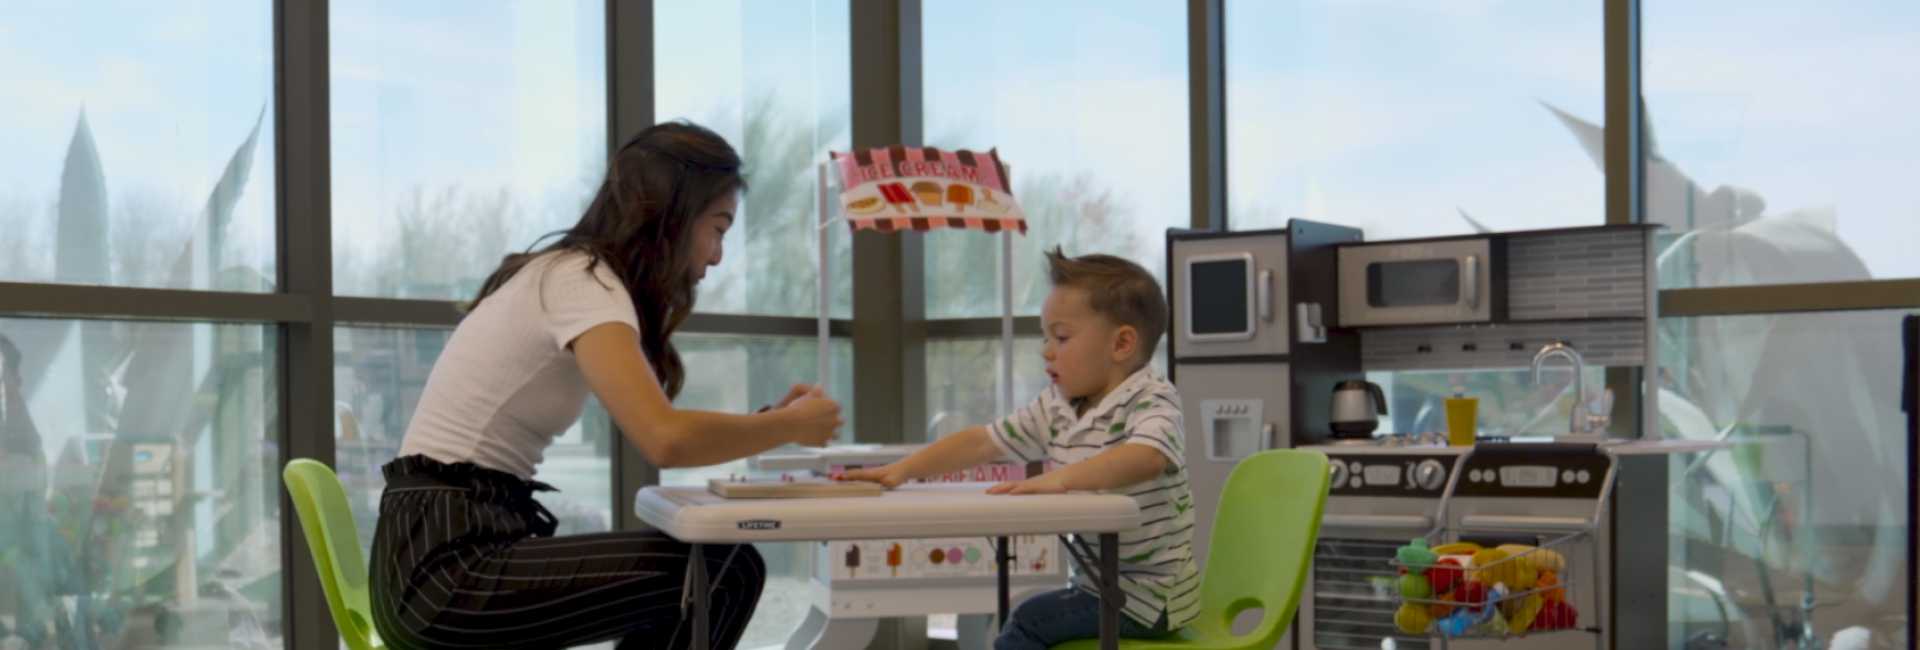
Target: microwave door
1416,284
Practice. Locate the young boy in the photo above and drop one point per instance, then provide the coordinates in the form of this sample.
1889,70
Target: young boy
1108,423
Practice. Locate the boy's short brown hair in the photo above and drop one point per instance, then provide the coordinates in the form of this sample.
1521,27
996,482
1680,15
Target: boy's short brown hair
1117,289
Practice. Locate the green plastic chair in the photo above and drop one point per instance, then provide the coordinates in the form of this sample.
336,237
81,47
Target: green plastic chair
1262,545
327,524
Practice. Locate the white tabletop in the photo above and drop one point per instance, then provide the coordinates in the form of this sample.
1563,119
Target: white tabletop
919,510
819,459
1664,446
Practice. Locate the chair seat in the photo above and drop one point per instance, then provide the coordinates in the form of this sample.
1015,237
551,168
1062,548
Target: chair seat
1262,546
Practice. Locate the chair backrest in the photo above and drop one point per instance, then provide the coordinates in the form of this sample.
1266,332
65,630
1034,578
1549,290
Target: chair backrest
1262,543
334,540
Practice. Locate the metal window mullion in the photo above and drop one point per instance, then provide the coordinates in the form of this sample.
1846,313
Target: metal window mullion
1790,298
983,327
887,280
630,104
1207,113
304,247
136,303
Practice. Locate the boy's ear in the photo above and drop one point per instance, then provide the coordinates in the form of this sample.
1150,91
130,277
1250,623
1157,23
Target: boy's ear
1126,343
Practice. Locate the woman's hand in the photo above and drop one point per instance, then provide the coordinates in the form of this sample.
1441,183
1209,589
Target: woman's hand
1048,483
811,419
890,475
798,391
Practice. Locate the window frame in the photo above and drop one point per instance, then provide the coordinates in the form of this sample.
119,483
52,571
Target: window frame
889,330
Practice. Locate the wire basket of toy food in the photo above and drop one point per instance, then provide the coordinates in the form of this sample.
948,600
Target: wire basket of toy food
1461,589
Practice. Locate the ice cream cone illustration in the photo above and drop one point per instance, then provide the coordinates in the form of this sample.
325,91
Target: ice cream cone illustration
989,203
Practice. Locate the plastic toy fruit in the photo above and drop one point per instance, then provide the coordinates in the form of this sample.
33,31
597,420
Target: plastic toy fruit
1412,619
1556,615
1445,574
1415,555
1495,565
1474,594
1457,548
1542,558
1413,587
1549,583
1521,612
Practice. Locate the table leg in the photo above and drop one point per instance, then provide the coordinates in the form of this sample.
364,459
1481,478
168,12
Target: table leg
1110,596
697,577
1001,556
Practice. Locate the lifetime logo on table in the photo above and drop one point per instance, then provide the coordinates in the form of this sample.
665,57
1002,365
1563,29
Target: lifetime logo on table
759,524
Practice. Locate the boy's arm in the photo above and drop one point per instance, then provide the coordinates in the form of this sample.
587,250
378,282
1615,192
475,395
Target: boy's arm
968,448
1121,466
1153,447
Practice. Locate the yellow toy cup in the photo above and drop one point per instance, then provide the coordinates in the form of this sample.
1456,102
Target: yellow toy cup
1462,413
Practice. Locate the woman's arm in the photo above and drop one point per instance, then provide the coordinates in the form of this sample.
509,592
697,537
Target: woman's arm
610,358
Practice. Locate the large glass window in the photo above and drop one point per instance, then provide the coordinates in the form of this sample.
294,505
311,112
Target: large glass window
1808,506
771,77
139,485
963,377
739,374
461,131
1087,104
138,146
1414,119
1779,140
379,374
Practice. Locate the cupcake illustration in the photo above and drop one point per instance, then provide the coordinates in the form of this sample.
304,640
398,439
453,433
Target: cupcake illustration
928,192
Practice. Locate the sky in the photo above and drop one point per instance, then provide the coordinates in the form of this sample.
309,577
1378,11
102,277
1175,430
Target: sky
1395,116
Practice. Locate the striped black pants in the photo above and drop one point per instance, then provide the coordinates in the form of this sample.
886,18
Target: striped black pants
465,558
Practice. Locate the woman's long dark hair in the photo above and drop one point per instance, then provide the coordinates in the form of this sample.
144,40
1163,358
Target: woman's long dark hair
639,226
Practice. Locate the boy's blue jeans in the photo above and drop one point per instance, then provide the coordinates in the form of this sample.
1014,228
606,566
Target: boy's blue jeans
1061,616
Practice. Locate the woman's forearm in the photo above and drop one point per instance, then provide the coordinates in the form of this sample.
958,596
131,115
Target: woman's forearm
691,438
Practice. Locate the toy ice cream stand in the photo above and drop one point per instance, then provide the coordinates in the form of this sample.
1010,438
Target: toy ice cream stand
857,583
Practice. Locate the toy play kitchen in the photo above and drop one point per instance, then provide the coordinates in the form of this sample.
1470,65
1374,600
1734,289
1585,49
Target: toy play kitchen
1290,338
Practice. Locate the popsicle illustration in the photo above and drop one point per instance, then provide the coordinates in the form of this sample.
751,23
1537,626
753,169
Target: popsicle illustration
893,559
853,559
960,196
897,196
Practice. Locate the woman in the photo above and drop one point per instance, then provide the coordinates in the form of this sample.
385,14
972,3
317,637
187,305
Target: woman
464,557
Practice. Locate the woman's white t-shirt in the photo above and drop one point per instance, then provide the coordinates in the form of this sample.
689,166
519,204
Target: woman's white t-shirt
507,383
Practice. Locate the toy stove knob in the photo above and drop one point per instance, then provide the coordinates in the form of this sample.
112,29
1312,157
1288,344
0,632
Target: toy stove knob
1429,474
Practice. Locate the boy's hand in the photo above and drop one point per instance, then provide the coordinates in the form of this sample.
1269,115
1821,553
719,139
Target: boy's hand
1048,483
886,475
